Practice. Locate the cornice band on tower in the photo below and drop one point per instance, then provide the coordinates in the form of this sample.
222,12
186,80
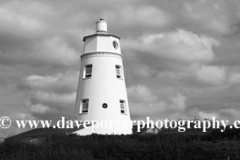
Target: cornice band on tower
96,54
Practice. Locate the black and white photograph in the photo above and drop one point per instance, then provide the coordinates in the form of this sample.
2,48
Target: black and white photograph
119,79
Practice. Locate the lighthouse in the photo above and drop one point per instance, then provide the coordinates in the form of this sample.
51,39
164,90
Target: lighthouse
101,94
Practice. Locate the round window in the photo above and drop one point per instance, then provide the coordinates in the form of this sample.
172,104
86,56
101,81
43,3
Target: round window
104,105
115,44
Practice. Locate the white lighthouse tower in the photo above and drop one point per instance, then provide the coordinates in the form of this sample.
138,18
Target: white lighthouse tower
101,94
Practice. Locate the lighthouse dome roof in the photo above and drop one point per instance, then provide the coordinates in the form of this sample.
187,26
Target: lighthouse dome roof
101,30
100,34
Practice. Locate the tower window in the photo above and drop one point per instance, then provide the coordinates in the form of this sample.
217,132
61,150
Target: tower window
88,71
115,44
118,71
85,105
122,106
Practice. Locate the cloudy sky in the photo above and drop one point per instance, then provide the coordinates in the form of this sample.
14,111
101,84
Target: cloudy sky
181,57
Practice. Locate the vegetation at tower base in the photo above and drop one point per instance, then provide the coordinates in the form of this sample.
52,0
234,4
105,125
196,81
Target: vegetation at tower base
164,146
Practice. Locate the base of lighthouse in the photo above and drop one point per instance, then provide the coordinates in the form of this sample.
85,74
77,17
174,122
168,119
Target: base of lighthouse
115,128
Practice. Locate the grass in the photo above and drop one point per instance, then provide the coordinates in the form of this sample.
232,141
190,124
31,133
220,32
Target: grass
163,146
